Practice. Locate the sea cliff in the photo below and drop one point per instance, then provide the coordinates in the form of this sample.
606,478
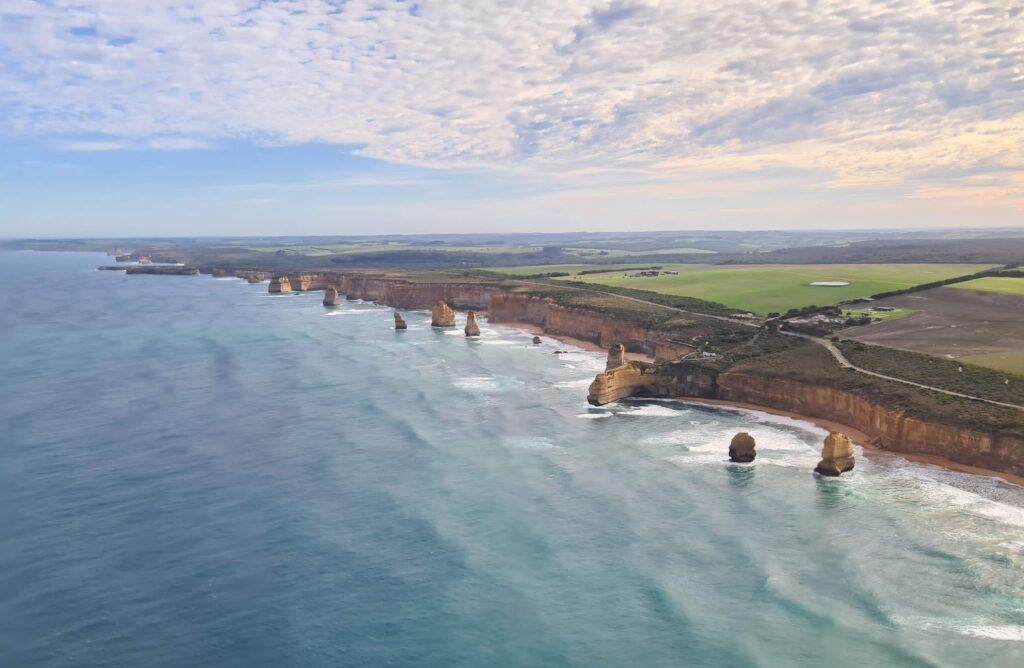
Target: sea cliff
887,428
400,292
587,325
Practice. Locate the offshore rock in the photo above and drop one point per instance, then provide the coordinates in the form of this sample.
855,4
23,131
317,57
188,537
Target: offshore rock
742,448
331,297
616,356
399,323
836,455
472,328
303,283
280,285
536,340
442,315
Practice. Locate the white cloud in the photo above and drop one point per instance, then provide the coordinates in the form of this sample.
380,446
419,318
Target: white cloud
868,92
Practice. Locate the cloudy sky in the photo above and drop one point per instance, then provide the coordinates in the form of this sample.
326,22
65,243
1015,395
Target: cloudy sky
363,116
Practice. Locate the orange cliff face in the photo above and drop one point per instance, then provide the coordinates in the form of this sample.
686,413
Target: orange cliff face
886,428
403,293
558,320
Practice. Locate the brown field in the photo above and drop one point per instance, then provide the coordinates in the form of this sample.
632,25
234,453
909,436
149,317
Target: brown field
986,327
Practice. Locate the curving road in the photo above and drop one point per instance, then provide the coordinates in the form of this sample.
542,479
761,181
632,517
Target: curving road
846,364
836,353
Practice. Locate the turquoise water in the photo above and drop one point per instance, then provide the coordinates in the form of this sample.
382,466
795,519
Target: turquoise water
194,472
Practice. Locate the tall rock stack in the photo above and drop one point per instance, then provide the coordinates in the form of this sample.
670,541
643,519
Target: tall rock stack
399,323
836,456
442,315
331,297
280,285
303,283
742,448
472,328
616,356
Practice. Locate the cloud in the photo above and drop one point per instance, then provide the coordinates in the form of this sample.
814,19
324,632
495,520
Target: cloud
868,92
155,143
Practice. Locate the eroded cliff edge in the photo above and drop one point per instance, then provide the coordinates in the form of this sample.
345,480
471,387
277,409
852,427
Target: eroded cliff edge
889,424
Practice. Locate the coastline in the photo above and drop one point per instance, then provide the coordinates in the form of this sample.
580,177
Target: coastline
861,439
856,435
578,343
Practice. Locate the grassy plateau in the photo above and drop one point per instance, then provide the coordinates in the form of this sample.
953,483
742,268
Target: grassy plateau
766,288
1007,285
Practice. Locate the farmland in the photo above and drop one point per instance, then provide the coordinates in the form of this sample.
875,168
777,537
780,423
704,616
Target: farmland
1007,285
776,288
984,328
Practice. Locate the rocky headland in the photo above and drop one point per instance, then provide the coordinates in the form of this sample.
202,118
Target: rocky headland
885,427
280,285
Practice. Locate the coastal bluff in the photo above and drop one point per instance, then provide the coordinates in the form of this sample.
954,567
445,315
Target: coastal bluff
886,427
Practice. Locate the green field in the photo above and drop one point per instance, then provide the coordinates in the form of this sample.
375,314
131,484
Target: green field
1008,285
1010,360
768,288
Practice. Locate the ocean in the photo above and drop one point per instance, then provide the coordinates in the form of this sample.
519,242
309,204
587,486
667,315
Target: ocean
194,472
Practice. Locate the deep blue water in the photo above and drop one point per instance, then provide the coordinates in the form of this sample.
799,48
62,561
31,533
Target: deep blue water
194,472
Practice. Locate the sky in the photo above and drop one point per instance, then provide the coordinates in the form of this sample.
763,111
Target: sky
231,117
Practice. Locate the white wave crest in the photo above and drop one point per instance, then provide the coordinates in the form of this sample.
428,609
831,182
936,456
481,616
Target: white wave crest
1015,633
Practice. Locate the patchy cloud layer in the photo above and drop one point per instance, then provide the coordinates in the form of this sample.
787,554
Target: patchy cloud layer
867,91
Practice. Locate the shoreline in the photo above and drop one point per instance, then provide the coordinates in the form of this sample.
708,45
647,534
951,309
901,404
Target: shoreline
572,341
856,435
860,438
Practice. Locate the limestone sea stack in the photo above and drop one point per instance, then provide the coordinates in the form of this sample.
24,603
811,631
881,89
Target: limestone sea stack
472,328
836,456
742,448
616,356
280,284
399,323
536,340
331,297
442,315
303,283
